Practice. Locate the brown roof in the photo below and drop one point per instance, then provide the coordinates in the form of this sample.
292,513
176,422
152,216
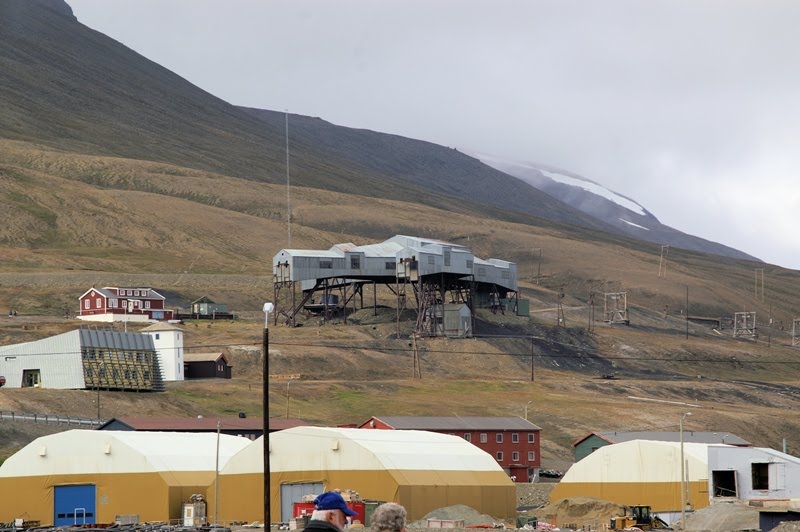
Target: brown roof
689,436
457,423
203,357
277,423
191,423
161,326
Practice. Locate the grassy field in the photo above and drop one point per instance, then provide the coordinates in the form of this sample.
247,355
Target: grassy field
351,372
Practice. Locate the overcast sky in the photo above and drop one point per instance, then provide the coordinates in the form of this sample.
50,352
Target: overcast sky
691,108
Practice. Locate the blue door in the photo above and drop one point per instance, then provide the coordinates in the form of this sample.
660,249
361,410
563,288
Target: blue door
74,505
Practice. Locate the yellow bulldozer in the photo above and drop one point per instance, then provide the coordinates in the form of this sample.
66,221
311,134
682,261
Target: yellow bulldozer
638,517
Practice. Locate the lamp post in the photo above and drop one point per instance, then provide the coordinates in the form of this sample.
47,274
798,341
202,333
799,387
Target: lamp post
216,480
268,308
683,477
526,410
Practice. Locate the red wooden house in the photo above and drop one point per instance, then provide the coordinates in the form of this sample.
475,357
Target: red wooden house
124,300
514,442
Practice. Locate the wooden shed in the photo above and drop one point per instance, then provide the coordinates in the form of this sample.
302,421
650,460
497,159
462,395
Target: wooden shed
206,366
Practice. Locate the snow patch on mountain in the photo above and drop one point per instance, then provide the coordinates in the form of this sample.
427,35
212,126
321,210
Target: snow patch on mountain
594,188
633,224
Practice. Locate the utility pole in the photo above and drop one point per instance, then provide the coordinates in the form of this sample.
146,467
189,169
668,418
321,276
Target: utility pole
539,267
683,476
216,480
687,311
663,261
561,321
287,396
268,308
417,372
755,287
532,373
288,189
769,325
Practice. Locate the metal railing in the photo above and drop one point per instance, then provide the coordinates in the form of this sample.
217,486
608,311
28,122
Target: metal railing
51,419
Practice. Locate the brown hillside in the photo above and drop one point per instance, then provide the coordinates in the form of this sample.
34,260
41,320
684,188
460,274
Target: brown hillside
145,180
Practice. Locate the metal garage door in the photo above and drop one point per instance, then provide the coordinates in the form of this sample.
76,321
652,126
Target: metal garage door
74,505
292,493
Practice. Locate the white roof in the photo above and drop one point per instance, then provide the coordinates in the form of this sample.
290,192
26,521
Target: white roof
99,451
311,253
383,249
312,449
641,461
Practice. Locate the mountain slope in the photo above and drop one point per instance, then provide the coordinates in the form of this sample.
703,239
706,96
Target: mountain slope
75,89
620,212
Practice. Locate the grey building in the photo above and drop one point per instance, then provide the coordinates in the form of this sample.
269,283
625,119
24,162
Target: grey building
436,271
589,443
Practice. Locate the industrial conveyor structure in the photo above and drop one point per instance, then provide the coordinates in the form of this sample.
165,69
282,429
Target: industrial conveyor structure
435,273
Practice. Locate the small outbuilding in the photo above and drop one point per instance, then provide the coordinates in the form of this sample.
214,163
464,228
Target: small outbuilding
207,366
89,476
420,470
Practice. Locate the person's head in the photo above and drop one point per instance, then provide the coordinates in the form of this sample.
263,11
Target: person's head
388,517
331,507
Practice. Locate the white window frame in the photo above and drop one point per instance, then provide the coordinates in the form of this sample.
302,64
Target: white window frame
514,437
499,456
484,438
468,437
87,304
531,437
531,456
498,438
515,456
98,303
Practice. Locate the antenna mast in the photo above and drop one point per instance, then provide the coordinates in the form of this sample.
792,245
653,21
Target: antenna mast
288,188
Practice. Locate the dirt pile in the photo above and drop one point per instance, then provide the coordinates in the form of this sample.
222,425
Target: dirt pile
723,517
458,512
579,512
534,495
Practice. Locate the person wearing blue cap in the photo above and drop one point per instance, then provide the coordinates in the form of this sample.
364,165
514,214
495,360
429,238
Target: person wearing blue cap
330,513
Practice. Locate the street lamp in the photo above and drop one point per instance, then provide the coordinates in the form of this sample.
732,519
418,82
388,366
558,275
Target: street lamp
683,476
268,308
526,410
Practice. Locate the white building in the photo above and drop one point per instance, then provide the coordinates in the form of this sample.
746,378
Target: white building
84,358
168,341
383,261
749,473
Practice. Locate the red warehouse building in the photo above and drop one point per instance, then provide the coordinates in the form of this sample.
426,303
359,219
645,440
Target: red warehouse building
514,442
124,301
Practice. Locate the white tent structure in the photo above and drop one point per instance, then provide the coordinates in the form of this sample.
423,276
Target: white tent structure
640,472
87,476
418,469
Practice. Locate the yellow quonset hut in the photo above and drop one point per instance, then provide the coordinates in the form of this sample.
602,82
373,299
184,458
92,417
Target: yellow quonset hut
640,472
92,476
420,470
